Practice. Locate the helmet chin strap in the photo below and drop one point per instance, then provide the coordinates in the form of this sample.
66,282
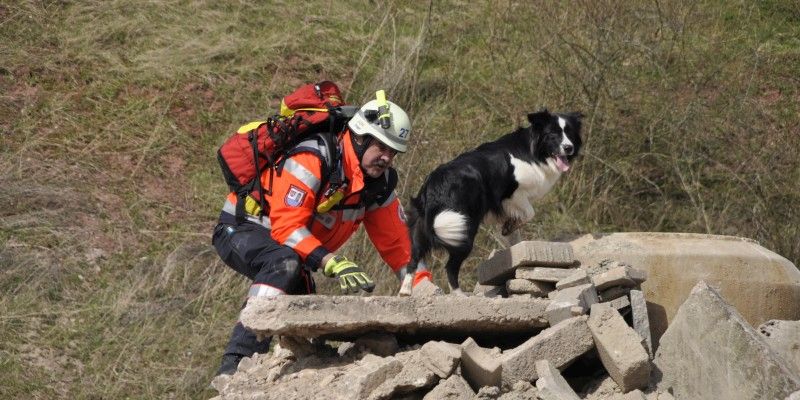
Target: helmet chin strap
360,149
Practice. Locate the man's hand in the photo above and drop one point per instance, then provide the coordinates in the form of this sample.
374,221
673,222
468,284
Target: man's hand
351,277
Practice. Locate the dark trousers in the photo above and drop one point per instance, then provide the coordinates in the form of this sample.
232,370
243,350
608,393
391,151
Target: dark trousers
249,249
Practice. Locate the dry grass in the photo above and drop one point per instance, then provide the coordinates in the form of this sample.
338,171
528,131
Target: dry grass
110,113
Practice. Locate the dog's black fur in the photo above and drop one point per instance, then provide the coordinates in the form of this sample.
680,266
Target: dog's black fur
495,181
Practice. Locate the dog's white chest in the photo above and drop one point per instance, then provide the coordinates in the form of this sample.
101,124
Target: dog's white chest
535,180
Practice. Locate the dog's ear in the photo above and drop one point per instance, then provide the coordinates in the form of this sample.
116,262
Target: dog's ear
539,119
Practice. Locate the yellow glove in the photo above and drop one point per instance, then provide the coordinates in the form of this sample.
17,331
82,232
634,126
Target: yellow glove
351,277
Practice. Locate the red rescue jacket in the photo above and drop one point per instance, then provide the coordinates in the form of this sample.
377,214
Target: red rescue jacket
294,221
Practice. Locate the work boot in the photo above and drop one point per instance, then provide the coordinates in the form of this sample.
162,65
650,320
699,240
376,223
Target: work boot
230,363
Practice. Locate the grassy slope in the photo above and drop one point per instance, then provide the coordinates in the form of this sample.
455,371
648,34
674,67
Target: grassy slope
110,113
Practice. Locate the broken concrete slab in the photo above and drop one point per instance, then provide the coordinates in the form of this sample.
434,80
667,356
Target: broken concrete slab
620,348
413,376
478,366
370,373
561,344
452,388
710,351
441,357
551,385
500,266
623,275
784,338
345,317
675,262
564,302
578,277
621,304
524,286
641,322
544,274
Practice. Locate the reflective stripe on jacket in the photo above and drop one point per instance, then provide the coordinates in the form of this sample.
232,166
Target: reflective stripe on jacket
294,222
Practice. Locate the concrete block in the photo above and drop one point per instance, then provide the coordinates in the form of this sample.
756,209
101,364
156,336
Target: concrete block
623,275
620,348
370,373
346,317
620,304
551,385
412,377
564,301
500,266
452,388
543,274
441,357
479,367
784,338
710,351
578,277
742,269
641,321
490,290
561,344
524,286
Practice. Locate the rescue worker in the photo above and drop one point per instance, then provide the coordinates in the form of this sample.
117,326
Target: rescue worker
279,252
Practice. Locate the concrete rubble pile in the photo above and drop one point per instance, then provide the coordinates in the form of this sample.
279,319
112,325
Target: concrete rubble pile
540,324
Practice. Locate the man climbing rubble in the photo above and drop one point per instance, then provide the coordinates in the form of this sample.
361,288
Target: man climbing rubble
308,219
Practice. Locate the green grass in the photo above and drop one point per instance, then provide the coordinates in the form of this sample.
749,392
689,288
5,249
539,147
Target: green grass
111,112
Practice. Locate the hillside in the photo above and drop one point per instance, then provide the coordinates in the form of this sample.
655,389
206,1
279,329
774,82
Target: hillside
111,113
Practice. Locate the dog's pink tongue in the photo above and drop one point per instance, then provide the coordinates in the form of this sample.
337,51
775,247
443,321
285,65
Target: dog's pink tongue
562,163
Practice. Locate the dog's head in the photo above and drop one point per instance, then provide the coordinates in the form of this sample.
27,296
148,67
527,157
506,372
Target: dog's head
556,137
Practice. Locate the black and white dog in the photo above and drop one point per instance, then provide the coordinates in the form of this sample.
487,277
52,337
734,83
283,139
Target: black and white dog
496,183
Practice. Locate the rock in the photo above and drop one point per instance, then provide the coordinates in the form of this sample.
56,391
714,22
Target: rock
551,385
582,296
345,317
479,367
441,357
524,286
623,275
500,266
371,372
452,388
675,262
560,344
784,338
641,321
711,352
544,274
620,348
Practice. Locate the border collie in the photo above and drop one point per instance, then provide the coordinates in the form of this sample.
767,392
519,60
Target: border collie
495,183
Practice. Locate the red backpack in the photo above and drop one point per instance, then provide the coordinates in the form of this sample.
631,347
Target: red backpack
311,109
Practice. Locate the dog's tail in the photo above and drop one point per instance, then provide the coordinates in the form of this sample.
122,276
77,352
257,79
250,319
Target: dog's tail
450,227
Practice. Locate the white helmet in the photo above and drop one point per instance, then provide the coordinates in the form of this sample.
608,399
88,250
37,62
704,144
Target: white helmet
366,122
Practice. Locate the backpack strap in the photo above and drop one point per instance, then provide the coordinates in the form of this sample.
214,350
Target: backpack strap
318,146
